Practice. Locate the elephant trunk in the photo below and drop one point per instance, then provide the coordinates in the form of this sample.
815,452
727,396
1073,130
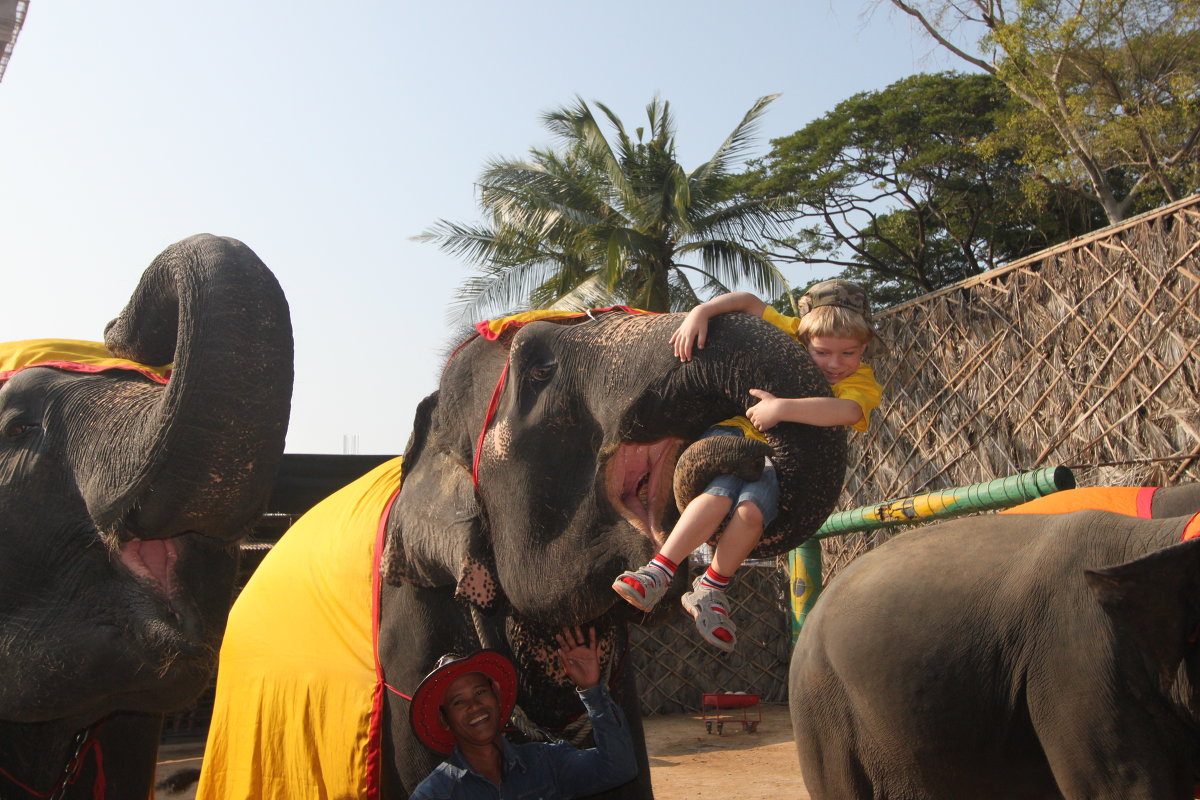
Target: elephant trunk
809,461
207,452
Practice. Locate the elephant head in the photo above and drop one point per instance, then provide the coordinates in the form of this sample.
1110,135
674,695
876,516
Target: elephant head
544,464
122,498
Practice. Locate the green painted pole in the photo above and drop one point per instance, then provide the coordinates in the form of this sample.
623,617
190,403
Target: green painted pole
989,496
805,567
804,562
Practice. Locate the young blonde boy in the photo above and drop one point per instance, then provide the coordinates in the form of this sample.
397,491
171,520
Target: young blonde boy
834,325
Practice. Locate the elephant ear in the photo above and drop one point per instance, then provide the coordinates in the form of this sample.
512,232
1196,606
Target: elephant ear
436,533
1151,600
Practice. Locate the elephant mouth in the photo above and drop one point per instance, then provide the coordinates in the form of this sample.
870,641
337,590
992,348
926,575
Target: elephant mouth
152,561
638,483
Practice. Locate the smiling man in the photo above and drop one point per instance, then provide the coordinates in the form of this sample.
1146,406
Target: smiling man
461,707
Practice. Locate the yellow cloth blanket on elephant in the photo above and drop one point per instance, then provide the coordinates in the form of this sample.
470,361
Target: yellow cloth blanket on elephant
299,692
74,355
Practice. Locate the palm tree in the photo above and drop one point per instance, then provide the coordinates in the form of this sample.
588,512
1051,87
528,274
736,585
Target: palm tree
595,223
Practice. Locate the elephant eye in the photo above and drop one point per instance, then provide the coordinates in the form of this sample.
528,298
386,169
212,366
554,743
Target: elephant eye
542,372
16,427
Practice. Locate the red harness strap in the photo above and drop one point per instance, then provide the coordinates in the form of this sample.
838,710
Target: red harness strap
75,366
375,726
487,421
85,743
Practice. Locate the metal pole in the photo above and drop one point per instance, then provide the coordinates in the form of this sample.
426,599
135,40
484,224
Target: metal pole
989,496
804,562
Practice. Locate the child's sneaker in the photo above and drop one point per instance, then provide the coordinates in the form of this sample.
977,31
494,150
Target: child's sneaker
642,588
710,608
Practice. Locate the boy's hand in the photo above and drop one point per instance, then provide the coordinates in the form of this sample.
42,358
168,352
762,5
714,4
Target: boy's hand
767,412
580,661
691,334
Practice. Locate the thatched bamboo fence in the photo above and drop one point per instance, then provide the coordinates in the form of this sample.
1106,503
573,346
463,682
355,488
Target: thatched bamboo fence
1085,355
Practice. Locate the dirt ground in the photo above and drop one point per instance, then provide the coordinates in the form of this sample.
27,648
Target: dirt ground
686,763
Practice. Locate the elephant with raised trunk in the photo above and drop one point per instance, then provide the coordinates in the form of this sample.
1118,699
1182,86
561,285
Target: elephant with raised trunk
122,500
541,469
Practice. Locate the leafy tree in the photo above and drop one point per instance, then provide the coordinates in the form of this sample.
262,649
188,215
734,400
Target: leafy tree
897,188
1112,88
594,222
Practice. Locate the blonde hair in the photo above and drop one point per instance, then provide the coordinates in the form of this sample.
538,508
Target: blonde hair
836,321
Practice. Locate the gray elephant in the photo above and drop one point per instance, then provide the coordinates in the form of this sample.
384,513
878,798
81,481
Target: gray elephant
1009,656
122,498
550,460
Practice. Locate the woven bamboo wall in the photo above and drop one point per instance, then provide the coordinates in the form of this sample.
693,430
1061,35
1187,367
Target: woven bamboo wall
1085,355
674,666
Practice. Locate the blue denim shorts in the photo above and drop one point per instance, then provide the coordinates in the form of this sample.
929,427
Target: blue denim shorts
763,492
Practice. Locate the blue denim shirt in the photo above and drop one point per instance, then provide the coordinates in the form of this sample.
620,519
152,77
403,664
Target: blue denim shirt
541,771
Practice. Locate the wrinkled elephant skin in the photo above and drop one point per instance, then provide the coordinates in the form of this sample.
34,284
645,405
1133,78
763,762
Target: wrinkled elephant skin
1038,656
575,472
121,503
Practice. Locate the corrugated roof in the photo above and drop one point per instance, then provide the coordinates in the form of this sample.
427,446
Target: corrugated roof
12,15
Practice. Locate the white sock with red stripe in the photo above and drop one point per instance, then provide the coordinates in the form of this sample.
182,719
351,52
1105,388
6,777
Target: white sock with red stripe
714,580
665,564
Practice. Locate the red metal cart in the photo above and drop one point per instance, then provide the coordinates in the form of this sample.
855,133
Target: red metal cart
728,702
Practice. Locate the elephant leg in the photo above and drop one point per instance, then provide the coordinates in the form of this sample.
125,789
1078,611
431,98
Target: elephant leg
625,693
417,627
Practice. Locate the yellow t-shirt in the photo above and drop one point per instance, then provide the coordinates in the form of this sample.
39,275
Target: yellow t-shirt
746,426
860,386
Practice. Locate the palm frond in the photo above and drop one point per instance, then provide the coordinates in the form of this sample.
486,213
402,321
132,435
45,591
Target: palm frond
590,293
735,145
733,262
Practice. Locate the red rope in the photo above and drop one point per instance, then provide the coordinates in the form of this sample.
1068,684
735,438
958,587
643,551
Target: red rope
78,759
375,722
13,779
487,420
394,690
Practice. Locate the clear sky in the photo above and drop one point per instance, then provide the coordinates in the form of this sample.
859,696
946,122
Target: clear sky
326,134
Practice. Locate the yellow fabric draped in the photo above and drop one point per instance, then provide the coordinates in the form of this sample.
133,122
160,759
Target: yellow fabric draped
297,678
73,354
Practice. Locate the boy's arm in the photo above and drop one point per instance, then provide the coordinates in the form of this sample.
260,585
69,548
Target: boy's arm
693,331
821,411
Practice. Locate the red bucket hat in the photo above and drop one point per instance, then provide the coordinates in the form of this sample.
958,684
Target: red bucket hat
427,699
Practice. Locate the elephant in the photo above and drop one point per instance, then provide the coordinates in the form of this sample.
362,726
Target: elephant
1015,655
123,494
551,457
